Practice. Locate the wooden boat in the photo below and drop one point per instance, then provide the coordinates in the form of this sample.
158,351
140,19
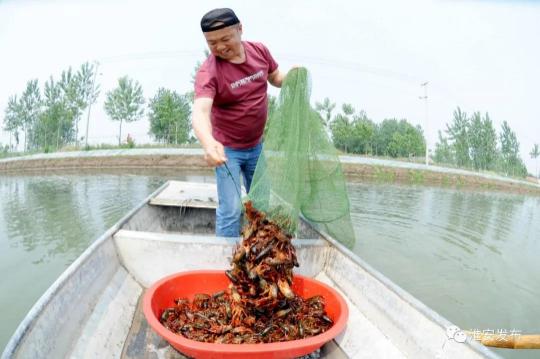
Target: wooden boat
93,310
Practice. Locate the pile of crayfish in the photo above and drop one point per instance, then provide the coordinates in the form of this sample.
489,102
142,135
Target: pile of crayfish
259,305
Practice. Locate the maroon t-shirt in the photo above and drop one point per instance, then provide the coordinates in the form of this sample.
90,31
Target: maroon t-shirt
240,102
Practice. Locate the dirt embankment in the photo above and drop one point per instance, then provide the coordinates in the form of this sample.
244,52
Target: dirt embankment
386,174
186,161
193,160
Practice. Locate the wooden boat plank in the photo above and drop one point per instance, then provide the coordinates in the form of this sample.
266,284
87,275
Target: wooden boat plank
143,342
187,194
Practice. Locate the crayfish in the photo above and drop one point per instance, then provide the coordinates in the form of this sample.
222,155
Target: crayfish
259,306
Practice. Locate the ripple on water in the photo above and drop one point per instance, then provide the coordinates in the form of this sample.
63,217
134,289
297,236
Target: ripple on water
464,254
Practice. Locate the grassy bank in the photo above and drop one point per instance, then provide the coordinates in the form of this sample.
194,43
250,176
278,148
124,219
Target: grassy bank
391,175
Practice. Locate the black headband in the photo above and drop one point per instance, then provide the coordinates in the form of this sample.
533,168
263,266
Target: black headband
218,19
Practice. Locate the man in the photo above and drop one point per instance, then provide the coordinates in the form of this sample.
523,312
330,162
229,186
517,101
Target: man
230,109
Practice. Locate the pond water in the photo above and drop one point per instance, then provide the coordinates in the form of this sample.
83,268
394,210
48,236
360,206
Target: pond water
470,256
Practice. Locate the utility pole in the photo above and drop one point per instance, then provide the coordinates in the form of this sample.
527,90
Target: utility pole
90,104
425,98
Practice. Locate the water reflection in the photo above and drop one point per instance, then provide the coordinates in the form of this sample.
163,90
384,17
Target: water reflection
64,213
469,256
35,217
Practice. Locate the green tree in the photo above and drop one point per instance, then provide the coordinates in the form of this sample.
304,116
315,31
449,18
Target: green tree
363,130
87,89
416,142
511,163
48,120
384,133
408,141
489,144
30,110
125,103
55,127
443,151
71,99
347,109
475,140
13,118
342,129
482,142
398,139
341,132
169,115
458,134
535,152
78,92
59,112
357,133
325,109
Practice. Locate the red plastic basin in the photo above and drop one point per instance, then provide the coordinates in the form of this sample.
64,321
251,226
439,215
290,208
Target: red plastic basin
186,284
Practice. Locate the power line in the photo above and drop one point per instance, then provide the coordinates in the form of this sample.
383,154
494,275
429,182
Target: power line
148,55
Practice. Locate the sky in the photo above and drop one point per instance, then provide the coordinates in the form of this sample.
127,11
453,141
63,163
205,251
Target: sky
480,55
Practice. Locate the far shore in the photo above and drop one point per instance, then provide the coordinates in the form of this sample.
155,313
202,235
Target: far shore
356,168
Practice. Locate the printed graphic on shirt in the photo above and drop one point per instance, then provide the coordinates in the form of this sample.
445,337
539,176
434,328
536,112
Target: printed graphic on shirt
246,80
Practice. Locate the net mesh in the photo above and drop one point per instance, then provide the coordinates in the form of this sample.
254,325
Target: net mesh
299,170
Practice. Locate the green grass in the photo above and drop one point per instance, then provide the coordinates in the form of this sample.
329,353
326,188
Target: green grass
417,176
383,175
460,183
446,182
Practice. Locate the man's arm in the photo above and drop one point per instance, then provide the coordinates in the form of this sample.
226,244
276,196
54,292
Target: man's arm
276,78
214,153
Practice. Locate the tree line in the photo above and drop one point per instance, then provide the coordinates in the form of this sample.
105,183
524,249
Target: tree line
471,141
354,132
50,119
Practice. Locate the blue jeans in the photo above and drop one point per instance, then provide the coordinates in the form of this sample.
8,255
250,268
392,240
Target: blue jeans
240,162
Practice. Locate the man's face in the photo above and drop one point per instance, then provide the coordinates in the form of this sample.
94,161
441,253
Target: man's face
225,43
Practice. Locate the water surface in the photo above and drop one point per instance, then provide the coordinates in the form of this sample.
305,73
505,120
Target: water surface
472,257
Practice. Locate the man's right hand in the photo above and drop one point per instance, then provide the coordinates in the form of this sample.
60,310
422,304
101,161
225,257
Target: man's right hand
214,154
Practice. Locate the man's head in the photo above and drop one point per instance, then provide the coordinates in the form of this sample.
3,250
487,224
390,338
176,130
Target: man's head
223,33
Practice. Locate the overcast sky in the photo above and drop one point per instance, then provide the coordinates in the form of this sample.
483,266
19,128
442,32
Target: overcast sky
479,55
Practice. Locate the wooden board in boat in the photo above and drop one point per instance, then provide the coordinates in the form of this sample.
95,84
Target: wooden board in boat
187,194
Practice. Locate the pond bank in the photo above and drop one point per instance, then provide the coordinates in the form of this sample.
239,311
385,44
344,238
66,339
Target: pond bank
355,167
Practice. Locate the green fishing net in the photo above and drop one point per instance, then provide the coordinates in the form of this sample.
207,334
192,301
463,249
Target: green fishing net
299,172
